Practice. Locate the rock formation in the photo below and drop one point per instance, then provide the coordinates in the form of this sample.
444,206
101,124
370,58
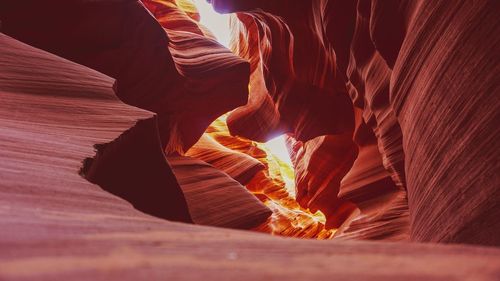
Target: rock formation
151,62
131,140
412,87
214,198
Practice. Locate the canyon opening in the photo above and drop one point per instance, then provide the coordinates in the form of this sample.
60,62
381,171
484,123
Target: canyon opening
275,186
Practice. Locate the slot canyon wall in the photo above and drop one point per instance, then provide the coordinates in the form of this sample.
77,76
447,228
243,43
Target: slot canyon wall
408,68
128,133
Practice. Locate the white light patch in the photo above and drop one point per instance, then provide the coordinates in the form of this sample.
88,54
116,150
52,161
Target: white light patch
278,148
215,22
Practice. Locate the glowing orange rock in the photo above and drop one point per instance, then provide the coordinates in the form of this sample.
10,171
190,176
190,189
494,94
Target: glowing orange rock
274,186
238,165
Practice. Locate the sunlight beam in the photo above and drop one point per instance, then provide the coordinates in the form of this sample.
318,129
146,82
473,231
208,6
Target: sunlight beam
215,22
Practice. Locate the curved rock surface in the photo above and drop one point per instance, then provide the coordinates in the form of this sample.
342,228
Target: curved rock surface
447,105
214,198
292,85
240,166
411,69
273,185
164,70
59,226
54,112
208,76
400,53
391,113
322,162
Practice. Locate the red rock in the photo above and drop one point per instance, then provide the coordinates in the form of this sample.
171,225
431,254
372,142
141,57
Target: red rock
417,161
56,225
319,169
215,81
156,68
270,184
445,95
397,64
382,206
54,113
411,68
239,166
214,198
317,183
290,86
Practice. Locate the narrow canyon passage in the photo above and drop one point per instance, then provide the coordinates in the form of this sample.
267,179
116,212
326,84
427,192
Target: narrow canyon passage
249,140
275,184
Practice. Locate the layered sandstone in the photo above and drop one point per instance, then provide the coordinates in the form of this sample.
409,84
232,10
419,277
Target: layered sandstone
57,225
161,66
390,110
409,69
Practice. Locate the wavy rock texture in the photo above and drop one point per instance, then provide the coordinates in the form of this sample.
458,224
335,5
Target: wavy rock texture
54,112
383,206
214,198
273,185
390,108
412,70
215,75
273,39
447,105
317,183
290,86
194,76
238,165
164,70
57,225
397,63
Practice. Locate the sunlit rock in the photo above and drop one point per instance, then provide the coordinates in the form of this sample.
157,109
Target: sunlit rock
386,114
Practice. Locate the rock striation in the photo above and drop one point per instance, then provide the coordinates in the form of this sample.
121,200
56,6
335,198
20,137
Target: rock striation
155,62
55,114
123,123
214,198
410,69
57,225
